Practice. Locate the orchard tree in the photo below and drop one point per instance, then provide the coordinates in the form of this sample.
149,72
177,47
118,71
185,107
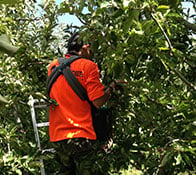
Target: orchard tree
150,44
27,41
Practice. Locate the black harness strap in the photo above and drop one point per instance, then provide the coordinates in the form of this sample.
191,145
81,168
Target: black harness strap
51,79
73,82
63,63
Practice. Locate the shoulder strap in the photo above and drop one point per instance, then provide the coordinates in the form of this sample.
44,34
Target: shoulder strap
66,62
75,84
64,69
51,79
58,71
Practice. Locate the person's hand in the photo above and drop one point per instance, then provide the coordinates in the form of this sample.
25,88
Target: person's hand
115,82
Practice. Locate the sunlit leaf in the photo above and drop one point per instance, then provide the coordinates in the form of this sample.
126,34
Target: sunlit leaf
5,45
163,7
105,4
3,100
178,159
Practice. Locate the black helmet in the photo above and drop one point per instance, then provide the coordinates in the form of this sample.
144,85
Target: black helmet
73,43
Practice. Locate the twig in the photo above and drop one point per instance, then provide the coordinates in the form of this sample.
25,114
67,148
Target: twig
184,79
158,103
32,19
82,21
164,33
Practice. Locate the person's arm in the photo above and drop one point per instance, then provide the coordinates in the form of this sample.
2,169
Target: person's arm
103,99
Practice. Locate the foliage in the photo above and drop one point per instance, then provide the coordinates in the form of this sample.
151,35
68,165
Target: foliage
150,44
23,73
145,43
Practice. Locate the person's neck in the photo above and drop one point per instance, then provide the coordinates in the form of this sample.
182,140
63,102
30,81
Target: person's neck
72,52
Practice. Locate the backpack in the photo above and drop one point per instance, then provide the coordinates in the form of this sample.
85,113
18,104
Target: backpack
101,117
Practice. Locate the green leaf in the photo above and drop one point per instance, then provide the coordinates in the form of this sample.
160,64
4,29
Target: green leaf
163,7
18,171
174,15
126,3
127,25
8,1
136,32
117,13
64,8
178,159
3,100
95,45
117,69
105,4
81,5
164,48
5,45
149,27
166,158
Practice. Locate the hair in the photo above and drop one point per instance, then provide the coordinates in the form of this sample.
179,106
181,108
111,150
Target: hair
74,43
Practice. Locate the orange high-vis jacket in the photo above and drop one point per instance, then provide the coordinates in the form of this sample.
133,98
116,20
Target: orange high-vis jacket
72,118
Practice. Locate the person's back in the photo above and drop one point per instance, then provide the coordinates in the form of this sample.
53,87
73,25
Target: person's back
72,117
70,122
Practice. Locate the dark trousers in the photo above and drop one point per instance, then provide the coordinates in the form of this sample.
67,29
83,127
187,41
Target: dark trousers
80,156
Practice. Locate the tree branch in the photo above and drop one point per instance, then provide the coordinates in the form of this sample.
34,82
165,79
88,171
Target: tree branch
177,73
186,23
184,79
164,33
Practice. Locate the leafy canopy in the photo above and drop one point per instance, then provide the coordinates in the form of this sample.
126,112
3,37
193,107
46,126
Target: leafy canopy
150,44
